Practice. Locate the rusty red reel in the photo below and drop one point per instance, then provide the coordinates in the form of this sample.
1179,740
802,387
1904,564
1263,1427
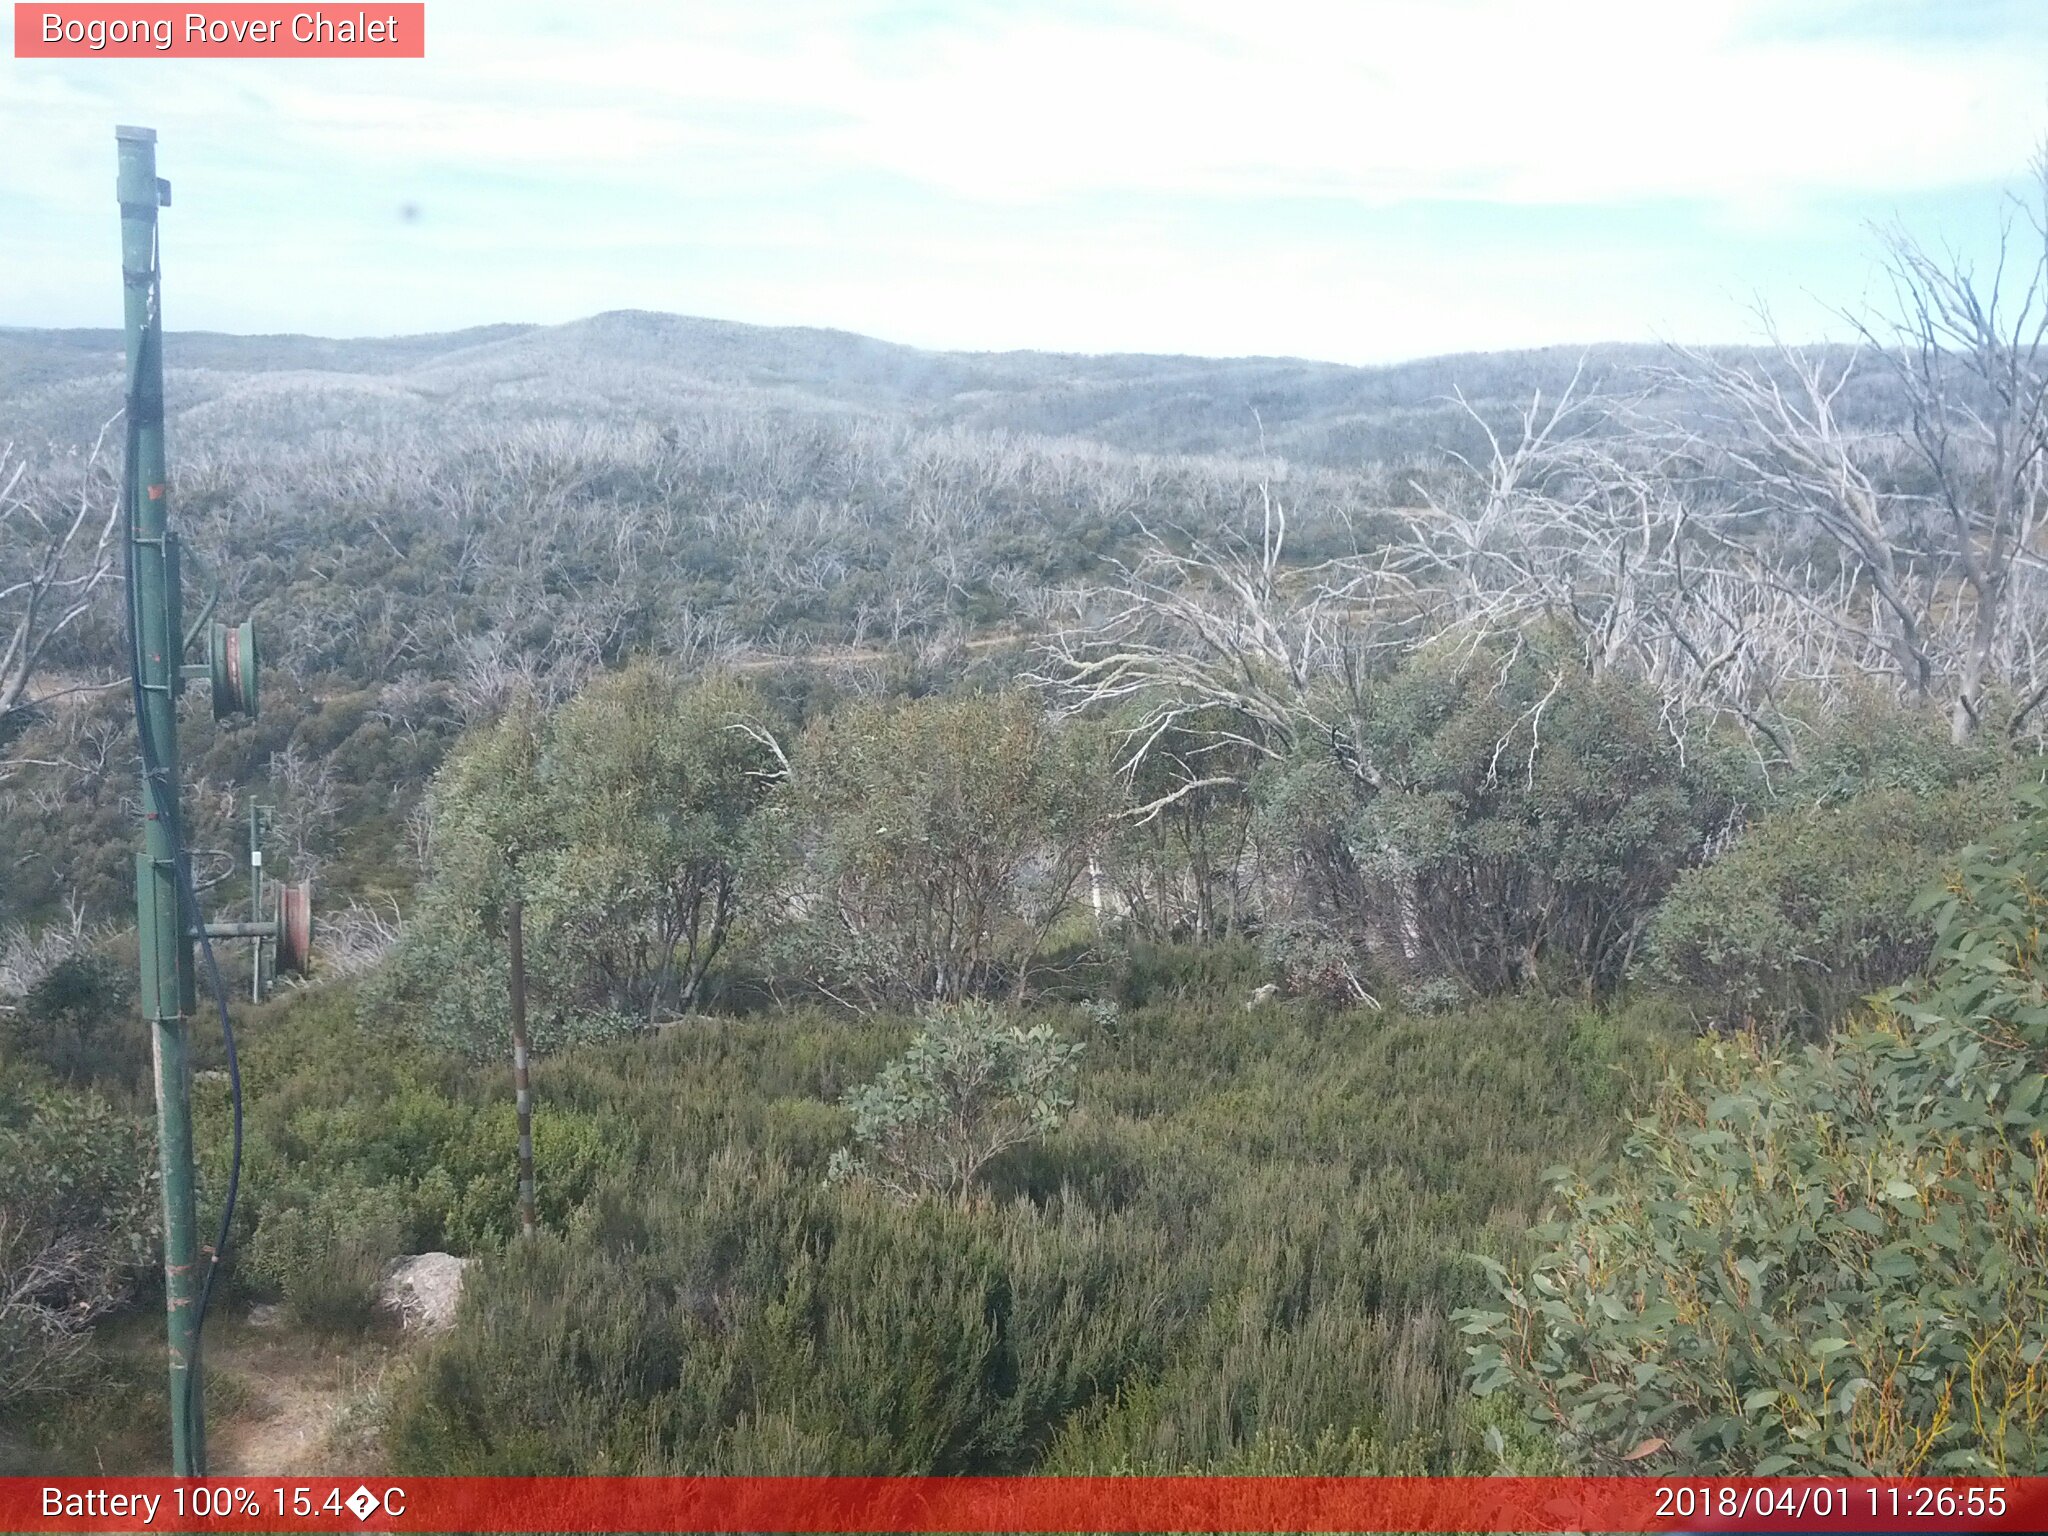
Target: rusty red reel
295,927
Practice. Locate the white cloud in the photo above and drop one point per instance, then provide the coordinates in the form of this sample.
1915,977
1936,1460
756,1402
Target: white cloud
1061,160
1378,99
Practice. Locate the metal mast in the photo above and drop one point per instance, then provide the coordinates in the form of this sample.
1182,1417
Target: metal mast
166,949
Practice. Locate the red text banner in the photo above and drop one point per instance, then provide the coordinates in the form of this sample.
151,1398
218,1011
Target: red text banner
1020,1504
234,31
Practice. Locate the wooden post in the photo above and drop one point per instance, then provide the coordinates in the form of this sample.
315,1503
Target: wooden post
522,1093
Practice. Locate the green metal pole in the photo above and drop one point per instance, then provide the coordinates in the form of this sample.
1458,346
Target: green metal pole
166,948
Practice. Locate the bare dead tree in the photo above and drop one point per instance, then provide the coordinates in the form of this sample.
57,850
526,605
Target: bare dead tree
1784,442
57,553
306,803
26,956
493,671
53,1287
1217,637
1969,354
1589,522
358,937
419,834
1934,527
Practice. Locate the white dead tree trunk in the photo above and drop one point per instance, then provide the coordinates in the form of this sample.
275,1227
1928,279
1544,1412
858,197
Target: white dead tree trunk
1217,639
1935,519
57,551
1969,354
1588,521
1779,437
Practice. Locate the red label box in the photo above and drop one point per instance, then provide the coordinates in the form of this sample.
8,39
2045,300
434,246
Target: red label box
835,1506
376,30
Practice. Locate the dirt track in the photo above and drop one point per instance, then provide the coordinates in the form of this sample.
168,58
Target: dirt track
300,1398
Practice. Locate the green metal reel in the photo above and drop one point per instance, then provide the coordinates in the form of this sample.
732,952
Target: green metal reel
231,656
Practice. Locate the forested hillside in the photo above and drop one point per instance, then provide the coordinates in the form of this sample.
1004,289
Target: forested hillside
1070,903
417,524
1314,413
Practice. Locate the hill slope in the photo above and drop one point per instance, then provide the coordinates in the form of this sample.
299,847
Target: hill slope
62,384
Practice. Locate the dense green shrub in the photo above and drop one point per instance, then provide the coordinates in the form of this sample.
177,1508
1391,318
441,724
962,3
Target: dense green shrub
1236,1252
649,785
1826,1261
1812,909
326,1256
78,1022
364,1144
620,822
1504,820
1155,973
1541,820
1876,743
972,1086
925,850
79,1220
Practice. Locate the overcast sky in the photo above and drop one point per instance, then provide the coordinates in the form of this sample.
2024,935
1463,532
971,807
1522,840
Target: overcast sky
1359,180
